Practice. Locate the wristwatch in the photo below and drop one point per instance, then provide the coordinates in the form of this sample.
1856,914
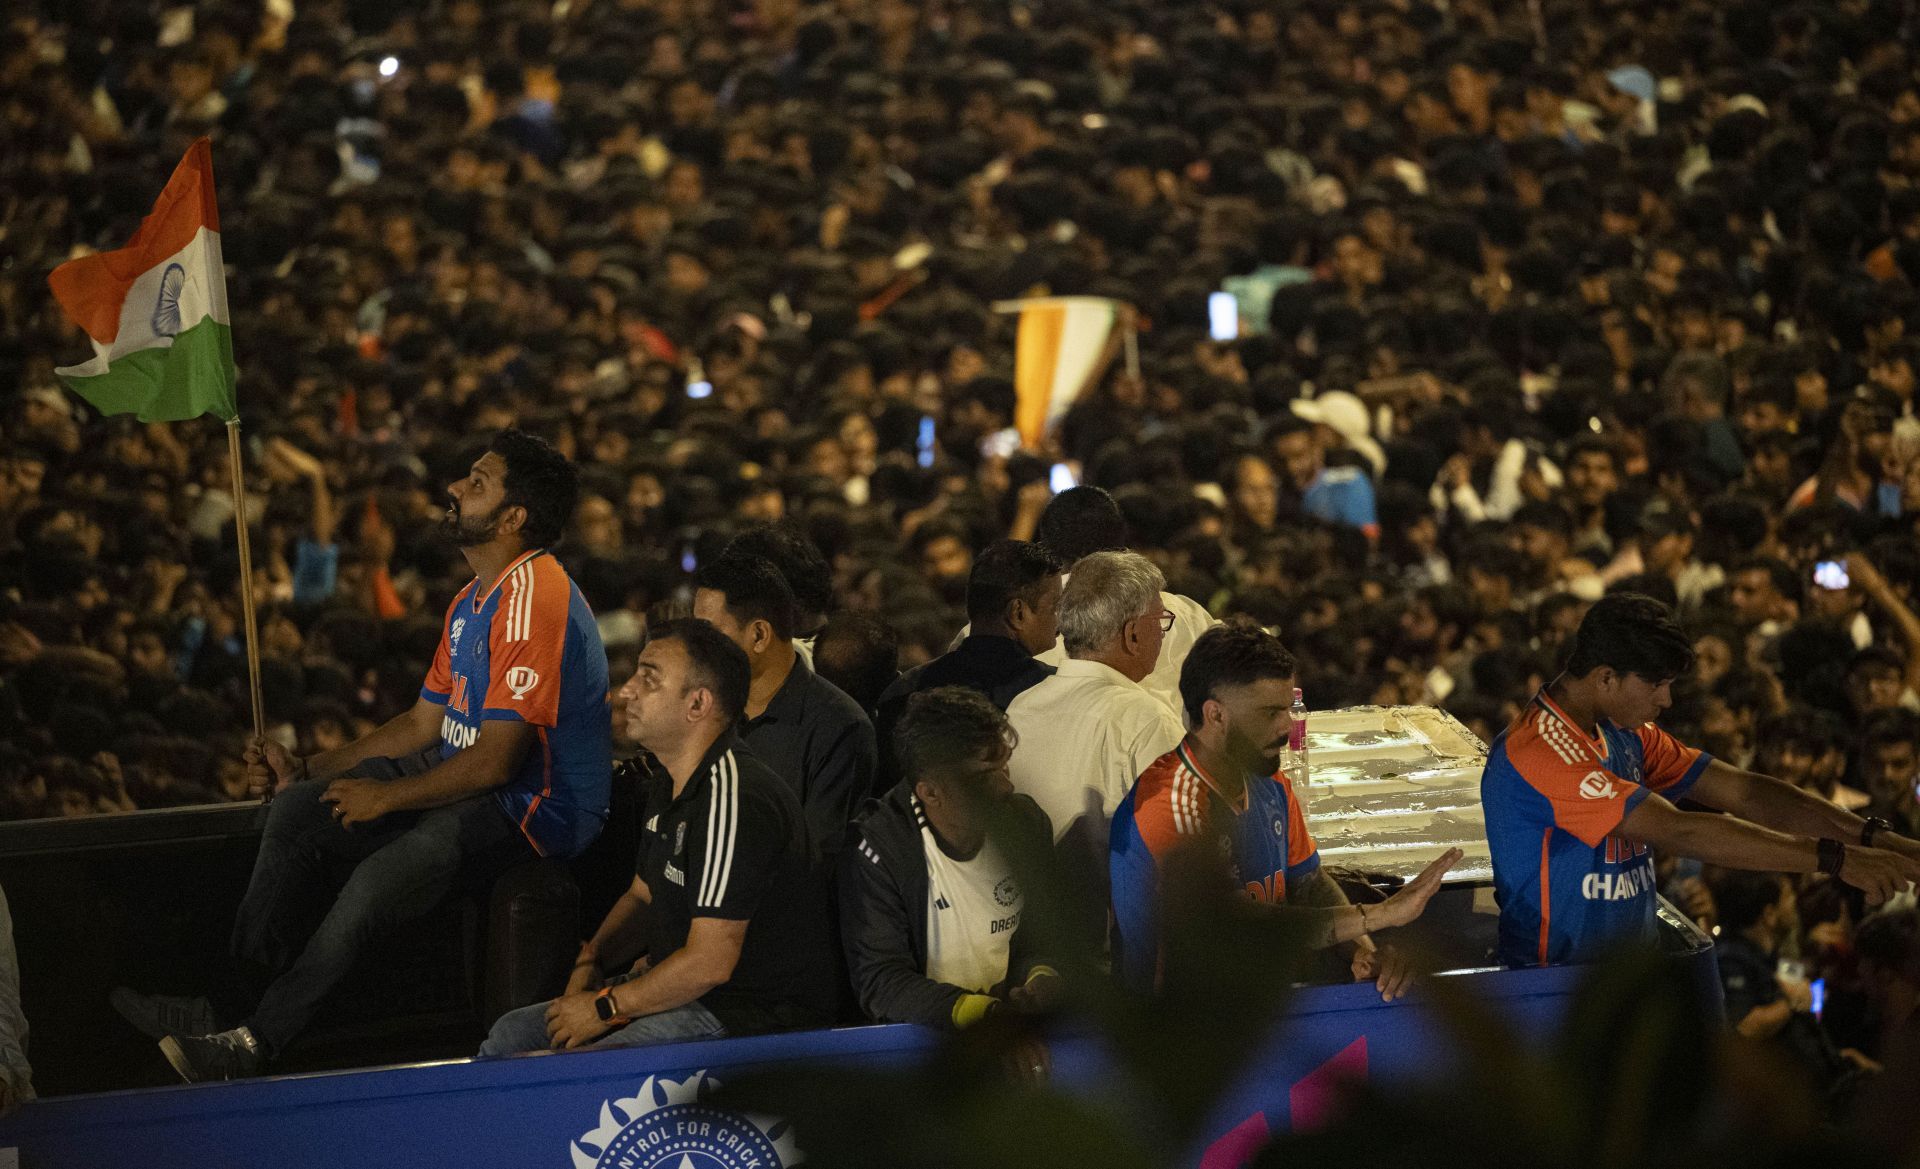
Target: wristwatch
604,1008
1874,826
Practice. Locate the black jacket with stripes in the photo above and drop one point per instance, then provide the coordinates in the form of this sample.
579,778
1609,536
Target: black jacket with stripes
883,910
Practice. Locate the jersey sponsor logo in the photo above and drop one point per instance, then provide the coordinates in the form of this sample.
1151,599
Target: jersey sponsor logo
1621,886
453,635
675,875
941,902
1006,892
1598,785
457,735
666,1126
653,823
521,679
1003,924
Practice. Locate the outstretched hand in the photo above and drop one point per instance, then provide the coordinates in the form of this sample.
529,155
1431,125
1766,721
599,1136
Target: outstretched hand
1410,902
1878,873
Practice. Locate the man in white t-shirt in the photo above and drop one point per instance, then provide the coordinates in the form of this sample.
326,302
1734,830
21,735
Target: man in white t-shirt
931,912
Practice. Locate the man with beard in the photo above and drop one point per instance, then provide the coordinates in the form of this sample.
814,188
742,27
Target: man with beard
506,755
1593,475
1220,799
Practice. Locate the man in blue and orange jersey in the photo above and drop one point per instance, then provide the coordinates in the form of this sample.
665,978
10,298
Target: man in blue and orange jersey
511,741
1220,797
1581,789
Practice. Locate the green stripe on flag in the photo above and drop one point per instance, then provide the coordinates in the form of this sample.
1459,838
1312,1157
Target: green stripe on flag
193,376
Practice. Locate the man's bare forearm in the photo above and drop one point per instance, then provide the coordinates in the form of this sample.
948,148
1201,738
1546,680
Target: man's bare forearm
414,729
1321,891
1323,926
621,938
1719,840
1776,804
486,765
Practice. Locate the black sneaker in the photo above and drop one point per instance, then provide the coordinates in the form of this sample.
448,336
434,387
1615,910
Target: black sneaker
224,1055
159,1015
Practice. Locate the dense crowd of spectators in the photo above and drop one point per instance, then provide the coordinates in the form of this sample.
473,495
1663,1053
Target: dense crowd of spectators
1538,300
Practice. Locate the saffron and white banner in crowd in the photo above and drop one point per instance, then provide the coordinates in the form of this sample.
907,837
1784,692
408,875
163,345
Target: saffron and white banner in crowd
1058,350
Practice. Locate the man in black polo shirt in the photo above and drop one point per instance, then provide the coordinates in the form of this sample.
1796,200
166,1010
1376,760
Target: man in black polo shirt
1013,602
798,723
727,928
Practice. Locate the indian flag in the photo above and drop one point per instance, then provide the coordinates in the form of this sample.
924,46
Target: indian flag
156,309
1060,345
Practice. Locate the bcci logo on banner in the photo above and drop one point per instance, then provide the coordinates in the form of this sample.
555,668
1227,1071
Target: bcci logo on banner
664,1126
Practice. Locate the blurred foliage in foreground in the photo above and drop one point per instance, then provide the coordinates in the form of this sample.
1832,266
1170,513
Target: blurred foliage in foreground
1637,1075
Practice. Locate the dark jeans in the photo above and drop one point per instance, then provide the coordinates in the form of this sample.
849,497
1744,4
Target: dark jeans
401,867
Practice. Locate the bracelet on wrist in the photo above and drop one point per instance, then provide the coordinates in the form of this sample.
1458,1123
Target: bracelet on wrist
1366,927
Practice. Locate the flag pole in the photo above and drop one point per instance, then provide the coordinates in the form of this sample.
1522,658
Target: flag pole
246,576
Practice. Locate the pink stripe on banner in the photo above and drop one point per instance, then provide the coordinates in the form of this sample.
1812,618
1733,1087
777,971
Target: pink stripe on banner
1239,1146
1316,1099
1313,1101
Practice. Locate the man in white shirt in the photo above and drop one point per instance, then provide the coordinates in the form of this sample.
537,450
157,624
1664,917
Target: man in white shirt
1089,731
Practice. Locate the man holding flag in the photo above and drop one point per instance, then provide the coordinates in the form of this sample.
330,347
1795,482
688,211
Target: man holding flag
515,733
507,754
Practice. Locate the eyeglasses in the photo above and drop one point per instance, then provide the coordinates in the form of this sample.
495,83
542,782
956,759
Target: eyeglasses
1166,620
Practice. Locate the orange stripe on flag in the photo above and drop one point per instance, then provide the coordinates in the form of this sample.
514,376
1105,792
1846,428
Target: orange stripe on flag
92,288
1036,357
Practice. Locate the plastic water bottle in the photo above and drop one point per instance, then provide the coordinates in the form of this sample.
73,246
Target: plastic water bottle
1297,750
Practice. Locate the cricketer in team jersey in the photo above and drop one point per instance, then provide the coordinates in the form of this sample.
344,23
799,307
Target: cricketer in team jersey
1582,789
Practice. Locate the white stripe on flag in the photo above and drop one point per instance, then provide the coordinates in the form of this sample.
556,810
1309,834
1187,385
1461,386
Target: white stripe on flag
159,305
